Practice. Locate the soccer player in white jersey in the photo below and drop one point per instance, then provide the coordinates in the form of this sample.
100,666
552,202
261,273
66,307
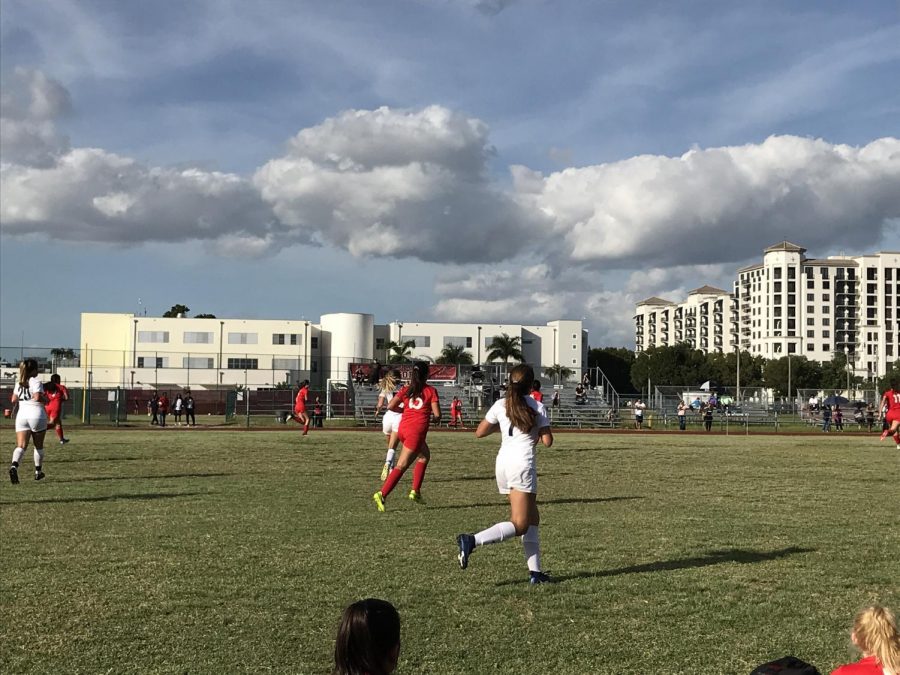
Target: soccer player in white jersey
31,418
390,423
522,422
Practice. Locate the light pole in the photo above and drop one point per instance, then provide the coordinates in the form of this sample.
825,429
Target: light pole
790,400
847,359
400,339
479,345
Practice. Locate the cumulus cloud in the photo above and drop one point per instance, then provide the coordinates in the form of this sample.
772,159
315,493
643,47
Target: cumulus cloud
719,203
396,183
88,194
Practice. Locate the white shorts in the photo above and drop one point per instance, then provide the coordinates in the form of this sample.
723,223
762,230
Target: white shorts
31,419
515,472
390,423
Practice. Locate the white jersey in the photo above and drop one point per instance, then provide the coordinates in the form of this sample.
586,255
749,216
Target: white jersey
30,395
390,423
516,441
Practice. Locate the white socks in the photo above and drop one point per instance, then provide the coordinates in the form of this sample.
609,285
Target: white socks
390,456
532,544
38,456
495,534
17,455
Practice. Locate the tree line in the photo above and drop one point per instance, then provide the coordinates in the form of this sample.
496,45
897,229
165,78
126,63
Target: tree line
680,365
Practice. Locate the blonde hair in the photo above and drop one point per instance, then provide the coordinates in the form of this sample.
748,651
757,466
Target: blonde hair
875,632
389,382
28,368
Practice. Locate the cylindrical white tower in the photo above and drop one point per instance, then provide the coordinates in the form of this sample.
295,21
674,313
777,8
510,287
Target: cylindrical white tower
346,337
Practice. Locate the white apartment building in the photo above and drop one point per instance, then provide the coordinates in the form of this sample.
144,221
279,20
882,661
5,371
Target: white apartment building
149,352
791,304
703,321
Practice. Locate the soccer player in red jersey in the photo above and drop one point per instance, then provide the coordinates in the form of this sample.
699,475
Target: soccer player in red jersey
456,412
421,405
536,391
891,400
300,415
56,393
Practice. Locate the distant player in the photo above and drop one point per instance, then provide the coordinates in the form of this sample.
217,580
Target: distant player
56,394
536,391
890,401
300,415
420,404
390,423
456,412
31,419
522,422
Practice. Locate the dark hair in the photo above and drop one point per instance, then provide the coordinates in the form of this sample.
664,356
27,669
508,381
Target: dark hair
367,638
305,383
55,378
418,378
520,414
536,385
894,383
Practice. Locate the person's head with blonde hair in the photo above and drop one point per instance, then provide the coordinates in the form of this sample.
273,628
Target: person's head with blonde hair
875,634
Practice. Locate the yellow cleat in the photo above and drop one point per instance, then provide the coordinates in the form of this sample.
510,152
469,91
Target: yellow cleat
415,496
385,471
379,501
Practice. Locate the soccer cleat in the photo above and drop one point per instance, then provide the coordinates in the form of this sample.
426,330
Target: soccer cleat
38,475
466,544
540,578
385,471
415,496
379,500
13,475
884,434
63,441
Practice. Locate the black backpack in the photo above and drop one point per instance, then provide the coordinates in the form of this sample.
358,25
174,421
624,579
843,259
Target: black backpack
787,665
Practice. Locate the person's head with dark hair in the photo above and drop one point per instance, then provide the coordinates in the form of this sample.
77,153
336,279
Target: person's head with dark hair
536,385
895,384
305,383
55,378
368,639
521,384
418,378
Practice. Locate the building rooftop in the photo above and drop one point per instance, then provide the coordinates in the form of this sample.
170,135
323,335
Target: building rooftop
786,246
708,290
656,301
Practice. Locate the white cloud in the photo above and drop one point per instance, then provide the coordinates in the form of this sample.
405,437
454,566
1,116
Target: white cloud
720,203
397,183
30,102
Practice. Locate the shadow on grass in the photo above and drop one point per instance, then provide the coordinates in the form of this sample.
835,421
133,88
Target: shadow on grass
491,477
112,498
84,460
91,479
733,555
543,502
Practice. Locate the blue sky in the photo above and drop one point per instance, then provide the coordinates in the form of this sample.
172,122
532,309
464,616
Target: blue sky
432,159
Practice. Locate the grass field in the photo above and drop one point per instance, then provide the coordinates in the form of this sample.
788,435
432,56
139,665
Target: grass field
183,551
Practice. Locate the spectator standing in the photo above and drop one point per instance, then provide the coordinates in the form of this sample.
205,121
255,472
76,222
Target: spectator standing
870,417
318,415
163,409
189,419
708,417
682,411
639,407
826,418
838,418
153,409
554,402
178,409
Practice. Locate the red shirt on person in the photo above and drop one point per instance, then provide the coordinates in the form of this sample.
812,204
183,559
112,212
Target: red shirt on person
300,401
537,396
55,397
417,411
893,399
866,666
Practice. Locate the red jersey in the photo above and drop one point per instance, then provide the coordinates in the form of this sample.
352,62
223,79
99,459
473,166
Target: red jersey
866,666
55,398
417,411
164,404
456,407
300,401
893,399
537,396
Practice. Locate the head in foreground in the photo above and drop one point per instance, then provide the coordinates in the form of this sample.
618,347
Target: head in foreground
368,639
27,369
875,634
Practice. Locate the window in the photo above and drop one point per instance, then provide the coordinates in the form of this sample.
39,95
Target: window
810,333
198,338
810,347
153,362
243,364
826,309
810,321
826,322
153,336
826,347
197,362
419,341
777,273
810,297
286,338
777,299
810,283
792,348
314,344
379,343
277,338
824,272
826,297
888,276
871,274
458,342
285,364
808,271
778,287
826,334
810,309
826,285
242,338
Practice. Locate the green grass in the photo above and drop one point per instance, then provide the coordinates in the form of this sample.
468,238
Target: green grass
234,551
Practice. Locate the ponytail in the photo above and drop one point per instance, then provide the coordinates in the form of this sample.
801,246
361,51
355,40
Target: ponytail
389,382
418,378
28,368
875,629
520,414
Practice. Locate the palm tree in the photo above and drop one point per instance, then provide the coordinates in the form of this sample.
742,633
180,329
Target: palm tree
455,354
400,352
558,372
505,347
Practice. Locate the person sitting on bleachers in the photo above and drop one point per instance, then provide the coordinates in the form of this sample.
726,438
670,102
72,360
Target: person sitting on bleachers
580,395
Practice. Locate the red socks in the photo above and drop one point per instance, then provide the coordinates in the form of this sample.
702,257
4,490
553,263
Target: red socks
418,475
391,482
306,428
59,431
